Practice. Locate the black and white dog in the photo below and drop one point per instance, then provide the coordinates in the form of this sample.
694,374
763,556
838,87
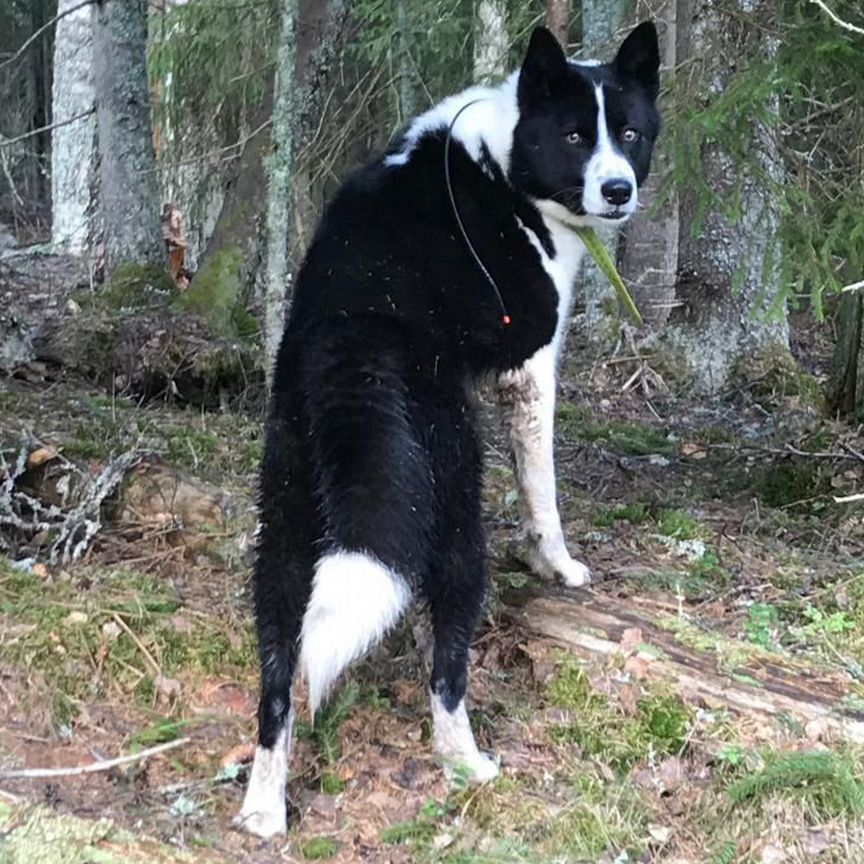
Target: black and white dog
450,256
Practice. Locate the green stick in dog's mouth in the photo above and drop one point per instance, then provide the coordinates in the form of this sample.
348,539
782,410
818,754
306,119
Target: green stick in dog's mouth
604,261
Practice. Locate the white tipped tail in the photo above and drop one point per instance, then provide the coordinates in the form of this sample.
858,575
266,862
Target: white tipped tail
355,600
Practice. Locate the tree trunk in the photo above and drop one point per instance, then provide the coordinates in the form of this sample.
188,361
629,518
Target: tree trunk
649,253
279,168
558,20
409,86
602,21
727,274
73,147
238,228
845,385
129,184
490,41
320,40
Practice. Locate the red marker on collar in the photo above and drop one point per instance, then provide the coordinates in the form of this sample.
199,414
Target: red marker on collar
506,320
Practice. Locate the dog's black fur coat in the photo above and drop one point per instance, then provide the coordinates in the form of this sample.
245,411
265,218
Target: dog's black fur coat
371,443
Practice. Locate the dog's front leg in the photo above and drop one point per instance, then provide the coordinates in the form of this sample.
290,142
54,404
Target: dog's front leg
527,396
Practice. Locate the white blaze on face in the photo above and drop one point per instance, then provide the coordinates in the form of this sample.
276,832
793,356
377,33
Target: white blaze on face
606,163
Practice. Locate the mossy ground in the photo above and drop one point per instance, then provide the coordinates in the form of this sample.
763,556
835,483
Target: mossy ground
677,513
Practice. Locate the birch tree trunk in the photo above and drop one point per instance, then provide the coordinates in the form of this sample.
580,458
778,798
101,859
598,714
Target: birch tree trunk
73,146
602,22
727,273
649,253
279,165
409,86
129,184
490,41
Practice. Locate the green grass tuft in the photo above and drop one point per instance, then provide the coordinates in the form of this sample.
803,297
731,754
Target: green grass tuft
824,778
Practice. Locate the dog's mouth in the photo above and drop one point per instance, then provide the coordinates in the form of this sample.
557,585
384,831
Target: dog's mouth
617,213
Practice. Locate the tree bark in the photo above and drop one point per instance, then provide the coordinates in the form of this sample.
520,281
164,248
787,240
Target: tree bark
845,384
409,86
602,21
649,253
558,20
727,274
320,38
279,167
73,146
490,41
129,184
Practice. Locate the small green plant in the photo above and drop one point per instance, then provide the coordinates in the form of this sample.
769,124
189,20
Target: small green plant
675,523
423,828
820,622
761,625
319,847
824,778
634,513
724,855
325,733
190,447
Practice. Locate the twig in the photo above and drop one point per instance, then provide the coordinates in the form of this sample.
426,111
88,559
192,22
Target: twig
8,142
845,499
94,767
28,42
855,286
139,644
852,28
788,450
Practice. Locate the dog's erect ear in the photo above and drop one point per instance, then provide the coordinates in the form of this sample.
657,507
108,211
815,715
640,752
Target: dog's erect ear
638,58
545,65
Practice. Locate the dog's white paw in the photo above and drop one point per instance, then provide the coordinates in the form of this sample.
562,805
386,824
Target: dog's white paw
474,768
572,573
551,560
264,823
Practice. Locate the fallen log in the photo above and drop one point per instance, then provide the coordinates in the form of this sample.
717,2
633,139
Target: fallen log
52,508
771,684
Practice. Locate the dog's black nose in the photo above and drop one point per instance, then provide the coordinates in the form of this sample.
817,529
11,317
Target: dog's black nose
617,191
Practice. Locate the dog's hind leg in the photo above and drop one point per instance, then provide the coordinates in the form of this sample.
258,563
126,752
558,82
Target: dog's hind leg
527,396
282,583
279,617
455,590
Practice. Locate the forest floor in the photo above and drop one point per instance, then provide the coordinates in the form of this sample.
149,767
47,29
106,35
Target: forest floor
696,514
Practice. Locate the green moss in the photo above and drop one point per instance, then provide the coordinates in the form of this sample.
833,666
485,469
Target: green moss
64,626
773,374
634,439
216,295
670,363
634,513
319,847
659,726
137,286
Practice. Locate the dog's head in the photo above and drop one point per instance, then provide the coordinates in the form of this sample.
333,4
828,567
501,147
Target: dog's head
583,140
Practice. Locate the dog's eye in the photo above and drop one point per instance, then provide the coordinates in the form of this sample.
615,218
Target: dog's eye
629,136
574,137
